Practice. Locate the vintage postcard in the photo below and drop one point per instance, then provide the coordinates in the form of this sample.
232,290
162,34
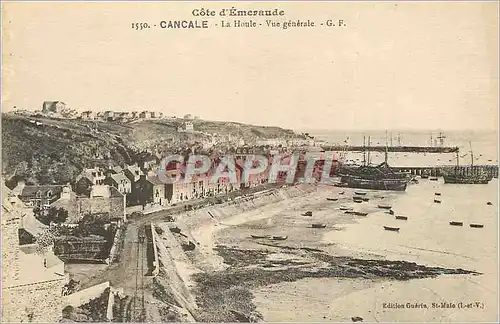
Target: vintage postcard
250,161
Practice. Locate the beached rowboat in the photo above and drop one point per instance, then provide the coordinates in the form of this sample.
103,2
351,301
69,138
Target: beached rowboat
279,238
384,206
402,217
393,229
476,225
318,225
260,236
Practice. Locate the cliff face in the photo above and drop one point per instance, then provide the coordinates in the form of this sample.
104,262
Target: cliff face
47,150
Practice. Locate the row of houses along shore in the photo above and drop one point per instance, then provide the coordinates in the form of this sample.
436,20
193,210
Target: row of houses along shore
114,188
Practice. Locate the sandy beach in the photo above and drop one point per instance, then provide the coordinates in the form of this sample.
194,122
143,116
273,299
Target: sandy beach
350,268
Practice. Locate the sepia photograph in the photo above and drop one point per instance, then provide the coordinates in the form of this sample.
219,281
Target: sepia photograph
250,161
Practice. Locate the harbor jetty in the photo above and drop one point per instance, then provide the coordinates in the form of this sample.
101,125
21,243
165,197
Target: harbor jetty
383,148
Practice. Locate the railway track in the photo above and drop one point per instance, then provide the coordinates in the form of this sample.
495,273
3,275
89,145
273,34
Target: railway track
137,306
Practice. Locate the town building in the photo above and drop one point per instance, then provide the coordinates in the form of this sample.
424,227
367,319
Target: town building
38,196
32,283
120,182
145,115
113,170
133,172
88,115
103,200
150,189
53,106
109,115
89,178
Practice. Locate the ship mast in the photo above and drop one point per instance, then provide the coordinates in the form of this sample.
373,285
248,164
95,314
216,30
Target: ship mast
471,154
369,143
385,147
364,150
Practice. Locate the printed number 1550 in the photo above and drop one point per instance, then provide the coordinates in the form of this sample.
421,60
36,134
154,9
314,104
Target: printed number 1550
140,26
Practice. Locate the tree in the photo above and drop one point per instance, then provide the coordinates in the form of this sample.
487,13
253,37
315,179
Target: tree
53,215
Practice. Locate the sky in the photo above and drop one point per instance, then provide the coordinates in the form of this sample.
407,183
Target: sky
393,66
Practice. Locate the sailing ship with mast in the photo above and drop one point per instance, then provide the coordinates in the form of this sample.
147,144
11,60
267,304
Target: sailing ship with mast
460,176
379,177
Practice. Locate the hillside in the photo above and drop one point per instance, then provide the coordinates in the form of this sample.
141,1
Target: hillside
44,150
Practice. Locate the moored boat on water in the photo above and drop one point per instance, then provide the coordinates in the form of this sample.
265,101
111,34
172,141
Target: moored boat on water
476,225
307,213
393,229
318,225
458,177
437,201
345,208
332,199
384,206
379,177
360,213
453,223
279,237
402,217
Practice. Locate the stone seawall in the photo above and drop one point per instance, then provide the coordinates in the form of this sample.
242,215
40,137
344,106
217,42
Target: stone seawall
84,296
156,263
197,218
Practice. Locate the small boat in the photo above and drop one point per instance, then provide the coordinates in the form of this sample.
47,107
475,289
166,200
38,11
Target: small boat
349,212
175,229
360,213
489,203
357,319
341,193
318,225
437,194
332,199
345,208
476,225
366,199
361,193
307,213
437,201
402,217
433,179
259,236
424,176
384,206
393,229
456,223
390,212
279,238
379,197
